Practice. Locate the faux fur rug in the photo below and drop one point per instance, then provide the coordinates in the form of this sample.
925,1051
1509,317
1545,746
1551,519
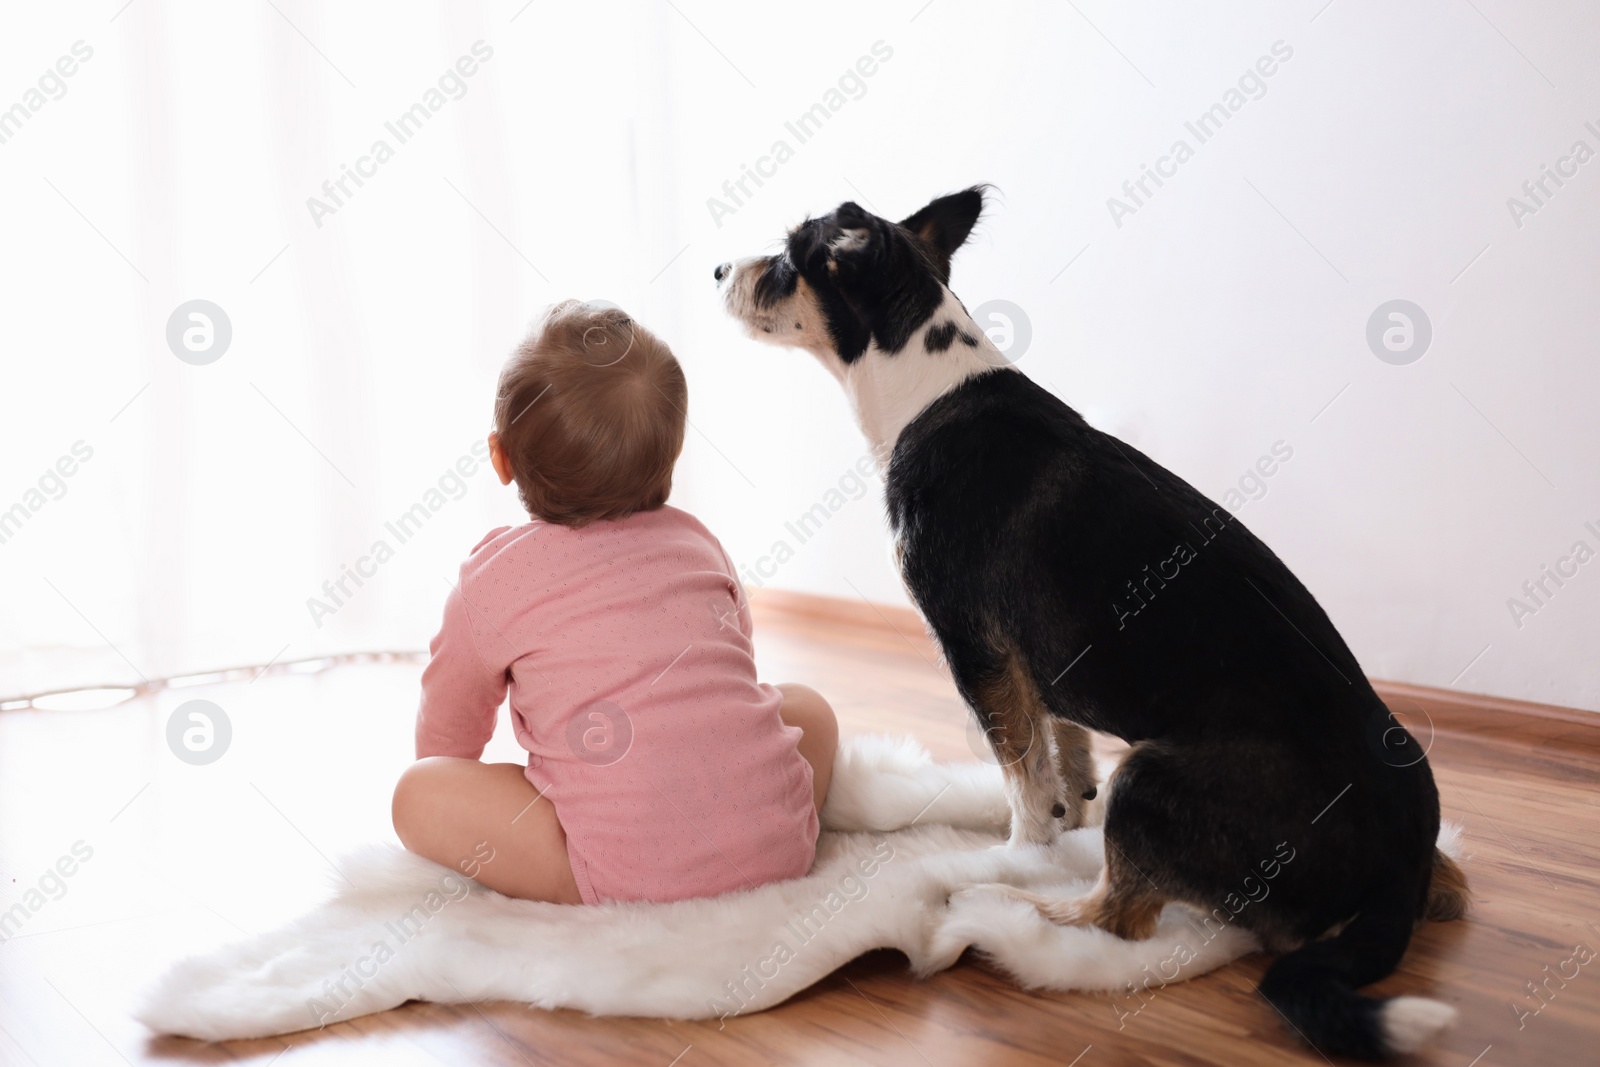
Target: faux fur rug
902,833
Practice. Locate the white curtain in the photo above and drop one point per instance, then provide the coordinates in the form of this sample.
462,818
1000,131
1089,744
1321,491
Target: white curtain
311,490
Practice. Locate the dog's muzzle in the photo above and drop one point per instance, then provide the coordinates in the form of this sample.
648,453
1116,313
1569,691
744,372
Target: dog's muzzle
721,271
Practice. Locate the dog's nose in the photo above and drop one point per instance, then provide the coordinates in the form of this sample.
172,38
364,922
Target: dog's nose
722,271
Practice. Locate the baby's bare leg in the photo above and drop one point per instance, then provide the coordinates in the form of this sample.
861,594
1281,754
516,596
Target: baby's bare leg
487,821
805,707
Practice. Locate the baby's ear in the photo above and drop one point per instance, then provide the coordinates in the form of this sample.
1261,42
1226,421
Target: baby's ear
497,458
944,225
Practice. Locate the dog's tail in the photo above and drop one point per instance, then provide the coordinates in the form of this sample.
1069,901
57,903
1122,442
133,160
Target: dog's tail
1314,987
1447,891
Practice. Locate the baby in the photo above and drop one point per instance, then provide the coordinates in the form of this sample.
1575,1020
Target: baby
658,767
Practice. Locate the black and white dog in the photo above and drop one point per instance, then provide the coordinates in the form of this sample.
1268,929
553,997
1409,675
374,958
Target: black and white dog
1026,538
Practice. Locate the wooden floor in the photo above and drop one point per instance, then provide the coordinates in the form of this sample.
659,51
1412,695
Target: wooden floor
182,857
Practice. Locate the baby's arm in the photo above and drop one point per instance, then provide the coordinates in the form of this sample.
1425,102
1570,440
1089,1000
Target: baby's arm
482,819
461,693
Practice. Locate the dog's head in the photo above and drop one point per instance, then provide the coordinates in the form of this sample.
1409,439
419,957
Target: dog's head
850,280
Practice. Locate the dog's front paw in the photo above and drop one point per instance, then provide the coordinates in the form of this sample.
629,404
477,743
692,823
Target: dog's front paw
1071,812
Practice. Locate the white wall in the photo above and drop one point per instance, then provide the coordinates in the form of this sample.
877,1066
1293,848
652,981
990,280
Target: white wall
1225,314
1215,321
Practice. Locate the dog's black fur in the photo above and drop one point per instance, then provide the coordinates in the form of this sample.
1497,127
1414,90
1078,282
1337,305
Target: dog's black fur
1063,570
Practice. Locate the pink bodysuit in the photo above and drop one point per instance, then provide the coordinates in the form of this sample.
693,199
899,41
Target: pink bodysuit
626,647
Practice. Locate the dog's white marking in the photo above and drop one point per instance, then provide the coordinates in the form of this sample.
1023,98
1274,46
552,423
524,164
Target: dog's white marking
888,391
795,321
848,240
1409,1023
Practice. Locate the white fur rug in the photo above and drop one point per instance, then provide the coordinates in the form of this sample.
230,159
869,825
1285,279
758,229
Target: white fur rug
902,833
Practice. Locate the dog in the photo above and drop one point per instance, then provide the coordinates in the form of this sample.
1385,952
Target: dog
1074,584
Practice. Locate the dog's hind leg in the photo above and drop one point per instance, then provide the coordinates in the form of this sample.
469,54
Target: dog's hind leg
1122,902
1018,727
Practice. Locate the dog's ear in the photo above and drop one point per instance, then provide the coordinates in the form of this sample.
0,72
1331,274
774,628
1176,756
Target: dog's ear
944,224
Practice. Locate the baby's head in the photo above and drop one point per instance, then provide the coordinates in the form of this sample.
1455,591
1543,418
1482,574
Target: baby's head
590,415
